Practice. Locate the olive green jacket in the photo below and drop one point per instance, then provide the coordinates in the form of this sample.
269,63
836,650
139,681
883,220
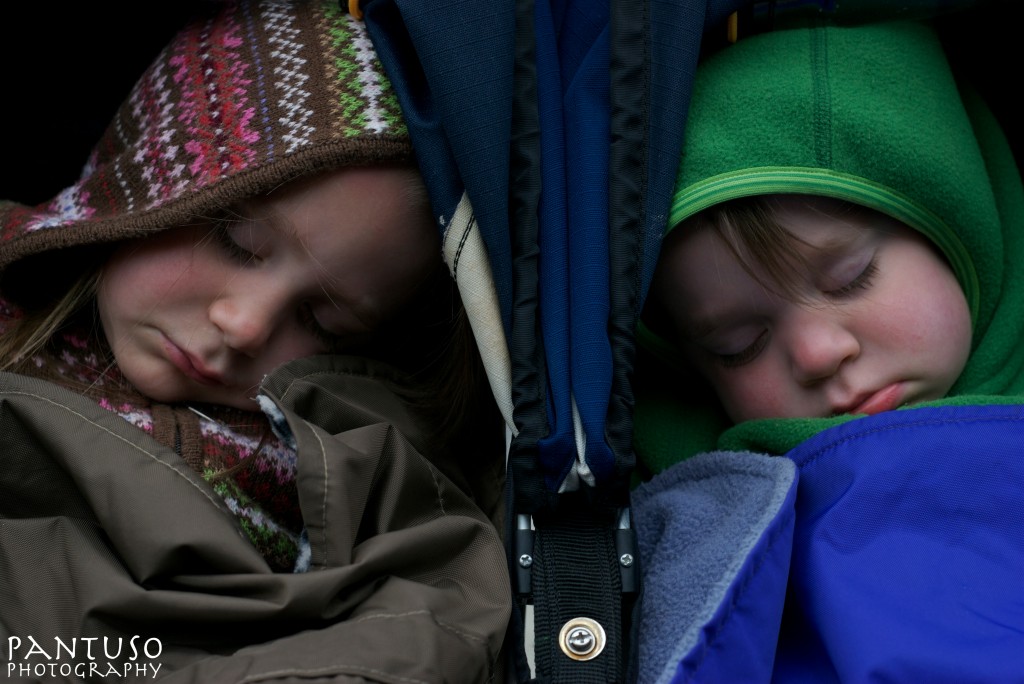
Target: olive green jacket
106,534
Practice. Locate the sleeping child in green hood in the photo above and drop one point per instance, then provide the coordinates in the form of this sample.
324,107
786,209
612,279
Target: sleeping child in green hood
844,239
796,306
234,373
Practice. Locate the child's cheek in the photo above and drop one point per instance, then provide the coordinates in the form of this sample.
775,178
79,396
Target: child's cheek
291,344
749,393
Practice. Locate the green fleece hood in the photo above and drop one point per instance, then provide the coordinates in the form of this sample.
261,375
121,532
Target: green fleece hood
871,114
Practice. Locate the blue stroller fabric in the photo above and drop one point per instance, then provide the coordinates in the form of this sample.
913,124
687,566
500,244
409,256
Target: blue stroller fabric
522,114
453,67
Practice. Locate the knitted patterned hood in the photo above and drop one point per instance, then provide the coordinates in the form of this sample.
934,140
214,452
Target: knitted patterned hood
871,114
238,103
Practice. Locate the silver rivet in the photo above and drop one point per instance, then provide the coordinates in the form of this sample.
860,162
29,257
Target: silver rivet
581,638
580,641
626,559
526,560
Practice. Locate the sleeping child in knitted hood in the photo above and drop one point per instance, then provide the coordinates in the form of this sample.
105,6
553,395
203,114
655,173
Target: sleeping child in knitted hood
844,239
229,347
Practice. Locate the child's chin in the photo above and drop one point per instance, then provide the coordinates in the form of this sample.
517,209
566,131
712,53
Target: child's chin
200,395
244,403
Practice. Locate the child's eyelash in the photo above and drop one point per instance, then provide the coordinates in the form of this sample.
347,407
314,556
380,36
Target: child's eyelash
330,340
746,355
222,235
863,281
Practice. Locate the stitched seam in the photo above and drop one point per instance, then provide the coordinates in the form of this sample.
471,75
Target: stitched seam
119,437
822,98
741,590
437,486
340,669
323,506
462,242
443,625
355,668
464,233
832,446
332,373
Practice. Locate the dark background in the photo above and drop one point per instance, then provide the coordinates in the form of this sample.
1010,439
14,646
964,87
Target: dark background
66,67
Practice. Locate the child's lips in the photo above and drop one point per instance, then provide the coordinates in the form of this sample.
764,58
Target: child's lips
885,399
191,366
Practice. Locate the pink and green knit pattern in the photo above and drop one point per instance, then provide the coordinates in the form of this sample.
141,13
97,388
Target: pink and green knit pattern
234,451
236,104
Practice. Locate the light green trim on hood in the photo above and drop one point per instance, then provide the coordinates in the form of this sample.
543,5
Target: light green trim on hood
826,183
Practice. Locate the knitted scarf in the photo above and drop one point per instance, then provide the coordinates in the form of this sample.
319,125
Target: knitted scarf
871,114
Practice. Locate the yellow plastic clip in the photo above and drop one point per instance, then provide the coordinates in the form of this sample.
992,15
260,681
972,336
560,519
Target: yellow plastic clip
353,9
732,29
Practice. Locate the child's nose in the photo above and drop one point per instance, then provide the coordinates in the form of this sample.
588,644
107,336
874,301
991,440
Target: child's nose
247,319
819,345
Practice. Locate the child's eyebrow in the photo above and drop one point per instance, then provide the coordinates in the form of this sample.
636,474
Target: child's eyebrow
823,253
701,326
836,243
699,333
278,222
284,225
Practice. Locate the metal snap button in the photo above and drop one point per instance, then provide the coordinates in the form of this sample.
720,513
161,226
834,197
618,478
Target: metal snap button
582,638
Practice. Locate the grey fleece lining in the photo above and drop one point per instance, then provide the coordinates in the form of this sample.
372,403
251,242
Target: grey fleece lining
696,524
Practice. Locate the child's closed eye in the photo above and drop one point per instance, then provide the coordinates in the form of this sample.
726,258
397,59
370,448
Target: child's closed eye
333,342
745,355
862,281
224,234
